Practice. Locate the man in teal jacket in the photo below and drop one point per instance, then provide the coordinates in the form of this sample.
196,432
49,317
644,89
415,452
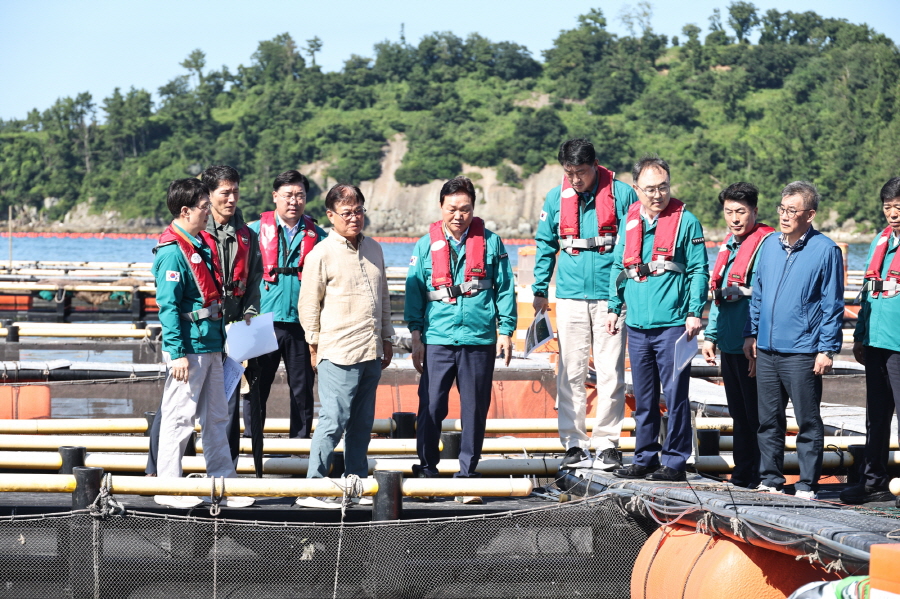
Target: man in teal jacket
189,292
732,284
582,217
286,236
661,272
459,291
877,345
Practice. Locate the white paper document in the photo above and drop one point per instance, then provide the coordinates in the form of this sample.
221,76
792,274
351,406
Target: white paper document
243,341
684,352
539,333
232,371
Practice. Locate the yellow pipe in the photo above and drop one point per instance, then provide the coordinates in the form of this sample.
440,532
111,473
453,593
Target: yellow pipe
79,332
37,483
486,466
74,426
830,460
43,287
450,487
94,443
61,326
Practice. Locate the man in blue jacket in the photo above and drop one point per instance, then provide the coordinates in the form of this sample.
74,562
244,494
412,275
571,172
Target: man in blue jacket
792,335
286,236
459,291
576,236
876,344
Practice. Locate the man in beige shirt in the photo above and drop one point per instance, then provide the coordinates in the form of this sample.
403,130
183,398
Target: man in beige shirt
346,313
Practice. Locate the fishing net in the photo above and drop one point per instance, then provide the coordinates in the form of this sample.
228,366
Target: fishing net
577,549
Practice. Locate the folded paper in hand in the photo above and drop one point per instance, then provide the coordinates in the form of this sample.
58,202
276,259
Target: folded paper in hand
245,341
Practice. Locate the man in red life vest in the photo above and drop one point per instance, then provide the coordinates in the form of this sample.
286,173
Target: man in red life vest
731,285
459,292
661,271
575,237
876,344
286,236
189,293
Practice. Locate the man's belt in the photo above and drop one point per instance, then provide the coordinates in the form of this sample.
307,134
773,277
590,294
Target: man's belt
285,270
590,243
454,291
732,293
213,312
651,269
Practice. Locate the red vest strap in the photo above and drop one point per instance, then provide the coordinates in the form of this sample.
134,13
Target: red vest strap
873,270
667,225
240,270
604,206
269,245
208,283
441,275
743,261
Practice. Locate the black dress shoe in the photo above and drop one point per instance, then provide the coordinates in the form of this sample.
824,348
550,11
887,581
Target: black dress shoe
667,475
634,471
865,494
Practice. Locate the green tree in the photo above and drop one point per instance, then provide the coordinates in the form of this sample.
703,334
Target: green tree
742,18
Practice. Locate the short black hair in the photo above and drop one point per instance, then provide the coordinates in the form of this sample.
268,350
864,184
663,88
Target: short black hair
215,175
185,193
646,161
806,190
292,177
343,192
746,193
890,190
576,152
458,185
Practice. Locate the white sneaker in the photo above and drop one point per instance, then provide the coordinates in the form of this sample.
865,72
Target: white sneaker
183,502
239,501
362,501
808,495
469,499
767,489
322,503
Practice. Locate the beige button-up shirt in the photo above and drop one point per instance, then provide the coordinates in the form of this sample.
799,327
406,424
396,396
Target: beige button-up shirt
344,304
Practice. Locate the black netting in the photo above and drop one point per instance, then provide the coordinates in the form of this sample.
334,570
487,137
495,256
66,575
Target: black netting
580,549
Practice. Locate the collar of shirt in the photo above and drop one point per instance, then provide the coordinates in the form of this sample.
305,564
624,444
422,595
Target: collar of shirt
195,240
589,196
289,232
651,221
336,237
227,228
451,239
798,244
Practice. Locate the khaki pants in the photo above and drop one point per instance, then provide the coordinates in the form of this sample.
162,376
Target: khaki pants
582,328
202,396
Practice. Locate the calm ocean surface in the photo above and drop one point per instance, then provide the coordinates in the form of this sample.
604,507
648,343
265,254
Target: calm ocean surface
139,250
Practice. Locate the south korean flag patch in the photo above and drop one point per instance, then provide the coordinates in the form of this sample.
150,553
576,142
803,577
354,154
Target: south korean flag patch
173,276
413,260
543,215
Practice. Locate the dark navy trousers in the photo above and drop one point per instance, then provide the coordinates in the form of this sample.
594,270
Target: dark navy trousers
472,368
780,376
882,395
743,405
652,354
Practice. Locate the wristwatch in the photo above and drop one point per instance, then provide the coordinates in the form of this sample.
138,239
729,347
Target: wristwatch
691,315
830,354
539,294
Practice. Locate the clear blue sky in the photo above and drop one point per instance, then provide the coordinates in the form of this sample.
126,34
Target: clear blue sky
55,48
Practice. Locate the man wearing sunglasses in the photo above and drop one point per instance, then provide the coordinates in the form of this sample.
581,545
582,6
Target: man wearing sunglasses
286,237
792,335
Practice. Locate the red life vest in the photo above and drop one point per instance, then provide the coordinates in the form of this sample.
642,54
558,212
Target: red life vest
667,225
269,246
737,286
441,275
604,206
209,283
890,286
240,270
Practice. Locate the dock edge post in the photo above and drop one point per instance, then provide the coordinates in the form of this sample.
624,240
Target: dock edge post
388,502
87,486
403,425
451,441
72,457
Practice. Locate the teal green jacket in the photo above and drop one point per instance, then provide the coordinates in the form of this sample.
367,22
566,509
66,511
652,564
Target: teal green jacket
471,320
664,300
727,320
586,275
176,293
280,298
878,316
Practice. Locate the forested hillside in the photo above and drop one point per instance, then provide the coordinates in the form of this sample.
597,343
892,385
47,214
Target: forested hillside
816,98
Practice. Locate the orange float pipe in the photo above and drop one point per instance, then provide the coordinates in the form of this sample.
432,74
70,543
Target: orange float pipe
678,562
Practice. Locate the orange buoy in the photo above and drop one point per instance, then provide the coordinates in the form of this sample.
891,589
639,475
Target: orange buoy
678,562
25,402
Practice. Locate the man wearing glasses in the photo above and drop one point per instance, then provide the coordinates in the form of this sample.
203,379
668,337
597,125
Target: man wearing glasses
345,310
582,217
286,237
459,292
792,334
661,271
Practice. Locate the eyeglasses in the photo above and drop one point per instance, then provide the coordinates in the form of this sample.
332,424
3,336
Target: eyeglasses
294,198
203,207
358,213
791,212
652,191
